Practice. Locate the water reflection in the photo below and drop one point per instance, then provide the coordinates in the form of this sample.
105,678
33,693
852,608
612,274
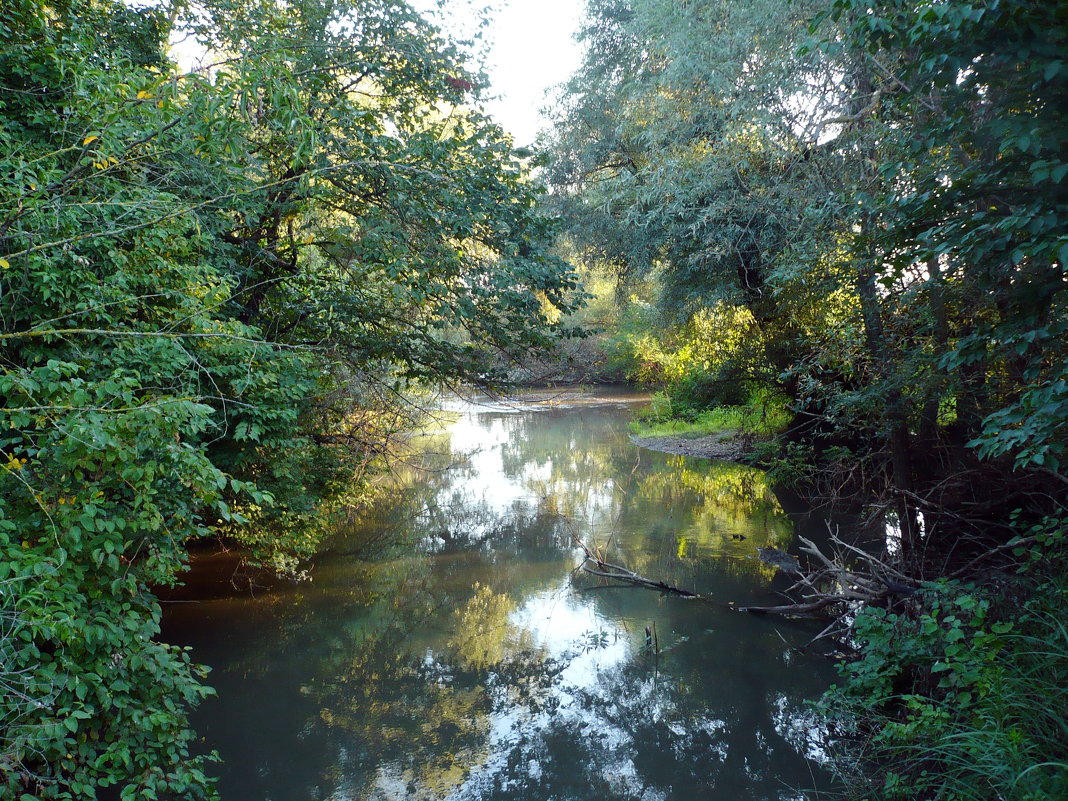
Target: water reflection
482,668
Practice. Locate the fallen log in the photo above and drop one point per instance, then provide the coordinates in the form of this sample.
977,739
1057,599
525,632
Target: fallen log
836,585
790,609
618,573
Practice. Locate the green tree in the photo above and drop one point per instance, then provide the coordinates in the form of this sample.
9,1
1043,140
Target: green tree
977,197
688,158
879,187
216,289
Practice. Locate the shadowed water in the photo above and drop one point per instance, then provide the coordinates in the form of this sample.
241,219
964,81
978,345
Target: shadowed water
446,648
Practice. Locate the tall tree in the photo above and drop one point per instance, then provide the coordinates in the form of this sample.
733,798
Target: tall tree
879,185
215,287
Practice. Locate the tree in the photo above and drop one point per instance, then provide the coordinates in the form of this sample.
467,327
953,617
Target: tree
878,186
690,157
215,289
978,198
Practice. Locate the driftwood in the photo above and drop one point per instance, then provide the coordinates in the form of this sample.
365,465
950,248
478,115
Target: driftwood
840,585
596,566
610,571
831,586
834,586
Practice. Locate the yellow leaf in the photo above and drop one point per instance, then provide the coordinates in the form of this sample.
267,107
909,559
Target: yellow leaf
4,264
145,95
113,160
89,139
159,104
33,187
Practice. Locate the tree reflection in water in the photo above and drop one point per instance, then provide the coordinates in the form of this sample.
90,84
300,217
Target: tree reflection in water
482,670
494,717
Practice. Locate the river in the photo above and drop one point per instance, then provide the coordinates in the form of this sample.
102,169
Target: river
445,647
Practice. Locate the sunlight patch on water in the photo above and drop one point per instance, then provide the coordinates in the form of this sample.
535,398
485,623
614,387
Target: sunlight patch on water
480,669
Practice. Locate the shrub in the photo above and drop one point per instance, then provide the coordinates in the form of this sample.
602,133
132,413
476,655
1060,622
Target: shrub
958,702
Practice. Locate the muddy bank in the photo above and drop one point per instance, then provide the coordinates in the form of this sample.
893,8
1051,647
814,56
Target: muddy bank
728,446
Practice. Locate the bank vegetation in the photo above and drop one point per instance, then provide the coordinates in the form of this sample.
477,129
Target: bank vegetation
856,212
220,290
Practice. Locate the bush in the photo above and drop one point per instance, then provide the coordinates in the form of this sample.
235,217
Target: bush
764,413
960,701
698,391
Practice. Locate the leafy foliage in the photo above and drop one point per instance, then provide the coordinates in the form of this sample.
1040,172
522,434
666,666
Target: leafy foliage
977,195
215,288
762,414
880,187
959,702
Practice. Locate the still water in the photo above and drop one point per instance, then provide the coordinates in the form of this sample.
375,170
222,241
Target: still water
446,648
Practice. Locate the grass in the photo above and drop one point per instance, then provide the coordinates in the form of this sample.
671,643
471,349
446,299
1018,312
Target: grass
763,416
986,716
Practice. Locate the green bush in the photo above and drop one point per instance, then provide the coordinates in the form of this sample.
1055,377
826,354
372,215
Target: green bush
966,700
762,414
698,391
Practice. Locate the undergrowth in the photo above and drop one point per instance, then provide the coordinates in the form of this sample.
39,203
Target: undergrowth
764,414
963,696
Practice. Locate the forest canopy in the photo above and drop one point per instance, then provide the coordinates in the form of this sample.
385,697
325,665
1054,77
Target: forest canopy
858,212
216,289
220,288
873,193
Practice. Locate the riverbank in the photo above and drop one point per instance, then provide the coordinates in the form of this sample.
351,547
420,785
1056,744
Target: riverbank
728,446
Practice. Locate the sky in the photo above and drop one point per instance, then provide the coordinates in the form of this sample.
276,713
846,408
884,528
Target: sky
531,49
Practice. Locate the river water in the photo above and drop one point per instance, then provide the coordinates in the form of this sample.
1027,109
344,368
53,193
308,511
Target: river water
445,647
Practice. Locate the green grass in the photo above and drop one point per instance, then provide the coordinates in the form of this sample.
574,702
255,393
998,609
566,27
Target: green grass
764,417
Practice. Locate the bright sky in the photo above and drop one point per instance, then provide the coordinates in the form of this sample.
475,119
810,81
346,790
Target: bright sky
531,49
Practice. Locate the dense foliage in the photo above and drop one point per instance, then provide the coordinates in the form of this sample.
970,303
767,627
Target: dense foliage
961,701
215,289
218,287
873,196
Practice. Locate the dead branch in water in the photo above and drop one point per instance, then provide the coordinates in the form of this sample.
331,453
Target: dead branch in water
835,584
596,566
831,585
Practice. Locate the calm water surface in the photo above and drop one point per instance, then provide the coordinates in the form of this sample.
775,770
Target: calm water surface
445,647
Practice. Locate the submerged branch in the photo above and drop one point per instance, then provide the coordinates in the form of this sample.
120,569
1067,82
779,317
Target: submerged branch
596,566
630,577
834,586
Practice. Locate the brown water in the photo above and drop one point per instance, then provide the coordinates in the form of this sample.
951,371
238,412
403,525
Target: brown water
445,648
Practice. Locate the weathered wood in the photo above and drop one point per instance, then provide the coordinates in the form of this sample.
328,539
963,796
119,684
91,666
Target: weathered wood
631,577
791,609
